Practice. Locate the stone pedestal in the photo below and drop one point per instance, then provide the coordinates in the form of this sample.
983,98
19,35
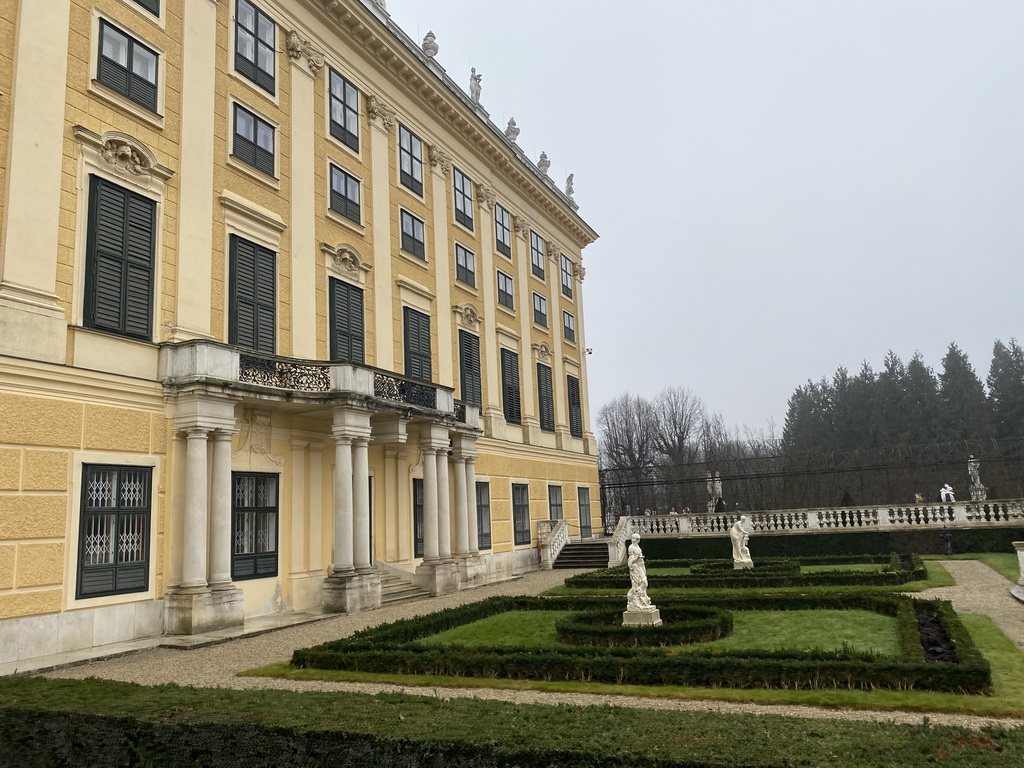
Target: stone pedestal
741,565
438,578
641,618
979,493
350,593
1019,546
472,571
192,613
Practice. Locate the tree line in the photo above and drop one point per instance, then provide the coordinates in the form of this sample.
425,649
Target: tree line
868,438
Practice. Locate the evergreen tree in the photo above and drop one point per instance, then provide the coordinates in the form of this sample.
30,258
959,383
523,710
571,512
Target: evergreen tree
1006,389
861,398
888,419
923,412
965,409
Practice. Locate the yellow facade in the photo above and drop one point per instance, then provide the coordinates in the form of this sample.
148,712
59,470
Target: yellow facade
134,408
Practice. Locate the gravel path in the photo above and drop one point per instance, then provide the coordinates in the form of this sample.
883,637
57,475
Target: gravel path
979,589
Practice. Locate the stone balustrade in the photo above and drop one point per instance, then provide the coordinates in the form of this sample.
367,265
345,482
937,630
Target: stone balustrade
553,535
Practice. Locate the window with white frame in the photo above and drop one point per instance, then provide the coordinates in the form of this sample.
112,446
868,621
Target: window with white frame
568,326
463,198
540,310
537,254
521,512
253,140
345,194
483,515
566,276
502,231
506,290
465,266
410,160
127,66
413,240
344,111
255,47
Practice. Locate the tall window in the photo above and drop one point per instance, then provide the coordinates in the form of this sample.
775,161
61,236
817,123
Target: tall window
506,292
465,266
119,261
113,545
344,111
583,494
510,403
469,367
127,66
413,240
345,194
540,310
575,406
537,254
502,231
253,305
417,517
483,515
254,525
254,45
346,321
410,156
153,6
554,502
463,199
545,398
417,344
566,276
521,513
568,326
254,140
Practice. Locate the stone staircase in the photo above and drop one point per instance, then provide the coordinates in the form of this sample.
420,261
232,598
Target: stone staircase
583,554
394,589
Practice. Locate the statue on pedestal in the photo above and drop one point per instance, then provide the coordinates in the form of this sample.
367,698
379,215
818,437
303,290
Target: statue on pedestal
639,609
511,130
740,539
474,85
978,491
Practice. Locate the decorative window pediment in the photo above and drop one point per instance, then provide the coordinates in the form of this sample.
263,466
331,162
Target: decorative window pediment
125,156
345,260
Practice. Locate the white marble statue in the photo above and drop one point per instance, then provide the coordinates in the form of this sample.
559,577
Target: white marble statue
637,599
474,85
740,539
543,163
429,45
569,189
978,491
511,130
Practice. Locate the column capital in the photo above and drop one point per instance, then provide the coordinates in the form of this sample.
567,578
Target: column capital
440,160
382,117
299,49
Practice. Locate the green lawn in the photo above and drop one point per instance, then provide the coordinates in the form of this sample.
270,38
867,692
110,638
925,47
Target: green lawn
844,567
765,630
1003,563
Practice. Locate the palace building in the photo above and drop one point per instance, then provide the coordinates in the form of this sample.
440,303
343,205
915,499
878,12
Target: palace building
283,316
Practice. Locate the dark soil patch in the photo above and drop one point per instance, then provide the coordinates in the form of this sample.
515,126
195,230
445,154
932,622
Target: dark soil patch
936,643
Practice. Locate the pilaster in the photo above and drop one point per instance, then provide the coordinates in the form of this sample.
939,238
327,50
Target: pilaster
441,163
382,120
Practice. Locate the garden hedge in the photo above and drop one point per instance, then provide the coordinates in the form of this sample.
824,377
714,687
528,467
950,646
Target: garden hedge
392,648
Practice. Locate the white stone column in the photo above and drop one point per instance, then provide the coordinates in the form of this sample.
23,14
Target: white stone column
430,526
316,473
382,120
298,509
195,172
403,508
220,511
342,558
193,570
361,505
558,383
461,510
474,532
444,511
32,322
525,284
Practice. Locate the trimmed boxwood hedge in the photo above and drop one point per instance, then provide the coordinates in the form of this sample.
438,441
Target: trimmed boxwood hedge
681,625
769,573
392,648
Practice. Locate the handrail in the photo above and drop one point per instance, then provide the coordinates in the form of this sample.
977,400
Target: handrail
552,536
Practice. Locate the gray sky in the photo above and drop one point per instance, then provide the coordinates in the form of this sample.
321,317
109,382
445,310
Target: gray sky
781,186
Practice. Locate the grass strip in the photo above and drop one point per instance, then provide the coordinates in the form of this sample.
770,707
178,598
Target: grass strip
99,722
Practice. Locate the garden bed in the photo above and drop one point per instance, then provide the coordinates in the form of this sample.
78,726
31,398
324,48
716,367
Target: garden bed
401,648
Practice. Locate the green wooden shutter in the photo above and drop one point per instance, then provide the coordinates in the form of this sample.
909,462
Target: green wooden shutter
346,322
469,365
417,344
510,402
119,260
546,398
253,301
575,407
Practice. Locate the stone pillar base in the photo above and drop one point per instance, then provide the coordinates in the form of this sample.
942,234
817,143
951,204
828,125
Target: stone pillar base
641,618
472,571
740,565
438,578
192,613
350,594
305,590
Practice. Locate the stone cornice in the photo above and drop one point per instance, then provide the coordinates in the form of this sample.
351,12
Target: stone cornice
400,56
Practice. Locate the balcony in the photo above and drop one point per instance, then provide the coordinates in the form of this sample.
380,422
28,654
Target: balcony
207,364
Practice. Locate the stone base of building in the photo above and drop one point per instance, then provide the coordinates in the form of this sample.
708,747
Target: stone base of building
641,618
306,590
472,572
192,613
350,593
438,578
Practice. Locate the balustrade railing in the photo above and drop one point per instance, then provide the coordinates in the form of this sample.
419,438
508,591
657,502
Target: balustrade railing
399,390
553,535
270,372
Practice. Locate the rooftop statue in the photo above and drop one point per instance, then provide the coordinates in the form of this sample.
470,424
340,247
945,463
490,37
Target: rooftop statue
511,130
474,85
568,185
543,163
429,46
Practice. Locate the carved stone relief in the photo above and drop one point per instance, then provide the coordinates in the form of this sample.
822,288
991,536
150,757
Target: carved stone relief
486,197
255,440
378,110
440,158
579,272
543,351
345,260
521,226
298,48
469,316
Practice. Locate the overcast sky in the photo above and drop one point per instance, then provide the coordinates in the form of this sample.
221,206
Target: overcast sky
781,186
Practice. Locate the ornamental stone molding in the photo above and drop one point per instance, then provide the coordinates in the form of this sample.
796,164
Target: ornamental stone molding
126,155
521,226
469,317
579,272
554,249
542,351
486,197
381,112
256,435
440,159
303,49
346,261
